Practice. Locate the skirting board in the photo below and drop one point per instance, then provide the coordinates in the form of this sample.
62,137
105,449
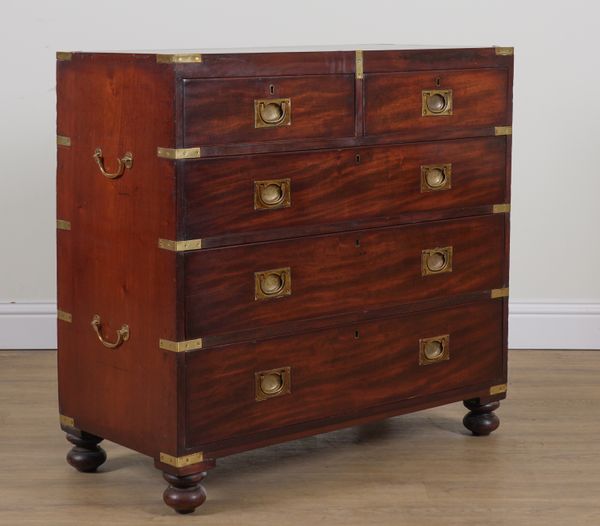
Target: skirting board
532,325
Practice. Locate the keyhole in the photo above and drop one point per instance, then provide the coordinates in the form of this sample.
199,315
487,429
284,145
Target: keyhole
437,82
357,158
357,243
356,335
271,89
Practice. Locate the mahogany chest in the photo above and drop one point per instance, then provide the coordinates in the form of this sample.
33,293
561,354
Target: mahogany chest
256,247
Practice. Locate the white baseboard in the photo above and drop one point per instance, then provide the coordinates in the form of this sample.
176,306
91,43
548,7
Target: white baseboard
28,325
554,325
532,325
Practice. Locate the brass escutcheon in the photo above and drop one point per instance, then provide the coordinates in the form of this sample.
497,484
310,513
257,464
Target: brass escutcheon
434,349
122,333
272,194
436,260
272,383
436,177
274,283
124,162
269,113
436,102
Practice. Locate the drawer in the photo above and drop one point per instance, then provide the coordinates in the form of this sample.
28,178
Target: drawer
300,191
436,101
340,371
238,288
251,110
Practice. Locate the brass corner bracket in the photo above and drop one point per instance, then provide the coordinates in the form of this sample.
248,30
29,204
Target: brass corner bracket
359,68
181,462
64,56
66,421
63,224
180,246
62,140
188,345
177,154
499,293
503,208
498,389
179,58
64,316
502,130
504,51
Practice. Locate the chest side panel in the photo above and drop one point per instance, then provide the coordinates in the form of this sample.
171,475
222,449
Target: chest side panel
108,261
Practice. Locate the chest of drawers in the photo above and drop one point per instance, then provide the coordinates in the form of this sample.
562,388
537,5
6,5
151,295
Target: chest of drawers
257,247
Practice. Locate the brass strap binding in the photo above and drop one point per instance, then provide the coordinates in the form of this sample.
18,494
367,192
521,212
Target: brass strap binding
180,462
122,333
124,162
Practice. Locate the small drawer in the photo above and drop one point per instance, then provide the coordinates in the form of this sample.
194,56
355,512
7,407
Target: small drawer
226,111
249,388
337,274
434,101
292,192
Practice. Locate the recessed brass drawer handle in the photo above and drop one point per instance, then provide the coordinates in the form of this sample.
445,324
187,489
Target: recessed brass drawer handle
124,162
436,102
436,261
122,333
269,113
435,349
274,283
272,383
271,194
436,177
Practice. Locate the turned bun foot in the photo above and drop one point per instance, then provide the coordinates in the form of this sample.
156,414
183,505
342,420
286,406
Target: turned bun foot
184,493
86,455
481,419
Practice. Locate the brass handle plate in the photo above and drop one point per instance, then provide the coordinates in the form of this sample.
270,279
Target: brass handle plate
125,162
436,177
434,349
436,260
272,383
122,333
274,283
436,102
270,113
272,194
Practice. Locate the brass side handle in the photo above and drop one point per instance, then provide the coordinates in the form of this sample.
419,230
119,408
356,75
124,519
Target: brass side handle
125,162
436,102
122,333
274,283
436,177
269,113
272,383
434,349
272,194
436,260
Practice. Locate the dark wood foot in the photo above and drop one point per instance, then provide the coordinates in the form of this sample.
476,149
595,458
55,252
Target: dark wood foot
184,493
86,455
481,419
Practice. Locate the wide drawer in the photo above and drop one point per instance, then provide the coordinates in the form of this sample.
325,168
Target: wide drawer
324,189
237,288
436,101
251,110
242,389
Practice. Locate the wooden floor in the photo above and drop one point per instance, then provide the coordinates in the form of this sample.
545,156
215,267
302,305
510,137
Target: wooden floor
542,467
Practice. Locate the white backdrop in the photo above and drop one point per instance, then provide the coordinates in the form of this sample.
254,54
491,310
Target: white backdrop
555,288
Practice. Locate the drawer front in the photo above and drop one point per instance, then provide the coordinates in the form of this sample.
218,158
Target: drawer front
340,371
224,111
242,287
407,102
283,191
